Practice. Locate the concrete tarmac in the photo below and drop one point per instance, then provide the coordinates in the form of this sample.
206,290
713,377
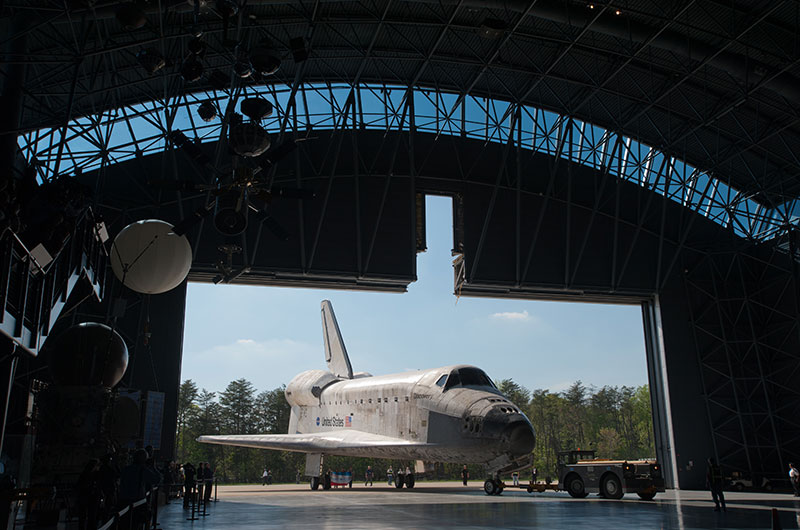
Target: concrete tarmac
450,504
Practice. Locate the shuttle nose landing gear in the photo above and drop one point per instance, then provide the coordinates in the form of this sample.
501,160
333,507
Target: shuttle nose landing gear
493,486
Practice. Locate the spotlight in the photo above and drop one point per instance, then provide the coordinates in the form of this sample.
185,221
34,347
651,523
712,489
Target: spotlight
248,139
617,12
197,46
262,60
130,16
207,111
243,69
151,60
227,8
256,108
191,69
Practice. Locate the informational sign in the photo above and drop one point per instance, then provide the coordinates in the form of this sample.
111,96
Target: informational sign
153,419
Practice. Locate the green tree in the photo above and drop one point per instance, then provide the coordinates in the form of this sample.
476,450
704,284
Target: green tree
272,411
516,393
187,410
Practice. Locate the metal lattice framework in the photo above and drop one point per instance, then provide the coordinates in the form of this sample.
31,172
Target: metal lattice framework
748,372
709,84
97,141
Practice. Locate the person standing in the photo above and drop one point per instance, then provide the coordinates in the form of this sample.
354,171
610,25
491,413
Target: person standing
264,476
464,474
714,482
390,474
188,483
201,473
515,478
208,477
368,476
794,478
534,473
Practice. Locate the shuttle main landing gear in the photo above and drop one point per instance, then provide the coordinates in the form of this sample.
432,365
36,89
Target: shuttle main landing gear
402,479
493,486
315,483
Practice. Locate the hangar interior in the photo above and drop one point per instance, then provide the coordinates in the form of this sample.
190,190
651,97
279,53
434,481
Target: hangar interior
614,151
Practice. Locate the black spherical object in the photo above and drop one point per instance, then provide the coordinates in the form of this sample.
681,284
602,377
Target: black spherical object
89,354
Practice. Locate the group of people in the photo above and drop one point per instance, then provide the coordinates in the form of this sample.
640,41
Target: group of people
197,481
110,483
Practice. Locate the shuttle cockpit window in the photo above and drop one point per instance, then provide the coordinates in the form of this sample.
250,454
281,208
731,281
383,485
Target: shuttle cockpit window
461,377
441,380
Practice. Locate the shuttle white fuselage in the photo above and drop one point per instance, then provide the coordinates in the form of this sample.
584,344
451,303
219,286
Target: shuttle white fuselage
448,414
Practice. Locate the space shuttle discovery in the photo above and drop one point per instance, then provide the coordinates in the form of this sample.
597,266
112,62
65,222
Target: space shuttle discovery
448,414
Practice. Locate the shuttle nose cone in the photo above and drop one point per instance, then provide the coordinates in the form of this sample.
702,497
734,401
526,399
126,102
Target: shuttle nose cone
521,439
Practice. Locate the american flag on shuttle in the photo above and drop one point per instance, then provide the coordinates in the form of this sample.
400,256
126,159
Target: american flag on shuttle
348,421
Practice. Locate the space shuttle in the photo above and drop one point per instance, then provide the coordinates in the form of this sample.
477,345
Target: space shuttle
449,414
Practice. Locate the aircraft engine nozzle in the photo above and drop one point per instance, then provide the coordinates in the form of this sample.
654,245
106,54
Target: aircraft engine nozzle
521,439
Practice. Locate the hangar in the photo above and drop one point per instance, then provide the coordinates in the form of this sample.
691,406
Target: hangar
626,152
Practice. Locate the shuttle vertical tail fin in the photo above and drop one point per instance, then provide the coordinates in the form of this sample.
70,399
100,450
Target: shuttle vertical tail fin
335,352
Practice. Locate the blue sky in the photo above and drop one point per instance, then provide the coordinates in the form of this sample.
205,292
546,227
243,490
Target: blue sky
269,334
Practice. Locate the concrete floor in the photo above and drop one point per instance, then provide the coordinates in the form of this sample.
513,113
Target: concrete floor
438,505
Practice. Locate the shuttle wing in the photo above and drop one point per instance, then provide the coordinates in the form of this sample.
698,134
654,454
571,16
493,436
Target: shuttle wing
340,442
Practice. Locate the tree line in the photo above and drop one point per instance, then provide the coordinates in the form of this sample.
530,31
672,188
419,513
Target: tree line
615,421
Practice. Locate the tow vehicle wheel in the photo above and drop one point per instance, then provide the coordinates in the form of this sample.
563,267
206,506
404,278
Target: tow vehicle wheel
530,489
410,481
314,483
489,487
398,483
499,490
646,495
611,487
575,487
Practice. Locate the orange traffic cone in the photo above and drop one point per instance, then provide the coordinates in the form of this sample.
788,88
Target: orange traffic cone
776,522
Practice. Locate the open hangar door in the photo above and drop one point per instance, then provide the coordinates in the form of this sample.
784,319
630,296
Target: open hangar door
720,314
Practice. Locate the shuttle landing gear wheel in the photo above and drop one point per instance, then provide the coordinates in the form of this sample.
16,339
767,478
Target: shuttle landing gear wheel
410,481
492,487
315,483
611,487
398,483
575,487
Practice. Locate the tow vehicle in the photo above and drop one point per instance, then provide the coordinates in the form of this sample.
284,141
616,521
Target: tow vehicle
581,473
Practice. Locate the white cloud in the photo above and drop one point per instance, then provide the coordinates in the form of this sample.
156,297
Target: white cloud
514,316
267,364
